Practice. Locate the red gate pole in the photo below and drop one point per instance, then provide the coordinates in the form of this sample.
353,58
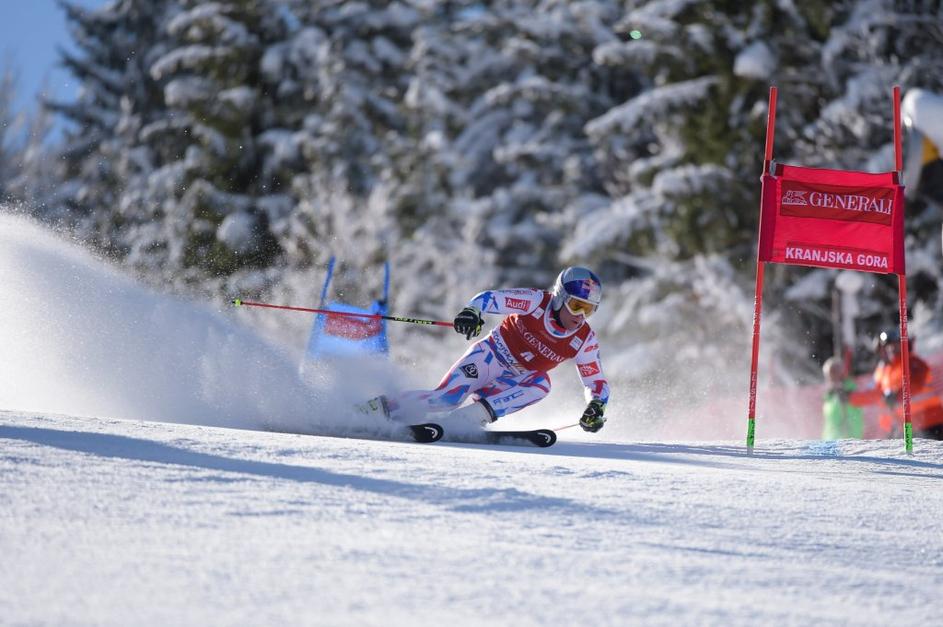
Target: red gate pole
902,293
757,311
905,360
758,290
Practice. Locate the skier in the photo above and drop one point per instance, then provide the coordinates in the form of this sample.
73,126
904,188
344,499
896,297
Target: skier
508,370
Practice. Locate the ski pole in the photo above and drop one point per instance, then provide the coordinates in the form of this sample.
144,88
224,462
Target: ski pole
238,302
566,427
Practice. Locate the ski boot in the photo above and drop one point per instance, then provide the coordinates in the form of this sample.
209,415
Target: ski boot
380,407
374,407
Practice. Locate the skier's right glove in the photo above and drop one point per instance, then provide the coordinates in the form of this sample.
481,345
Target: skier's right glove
468,322
593,418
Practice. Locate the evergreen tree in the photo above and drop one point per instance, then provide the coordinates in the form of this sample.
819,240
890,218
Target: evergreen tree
115,47
355,122
207,184
871,47
234,146
8,127
502,168
340,79
36,171
29,173
682,161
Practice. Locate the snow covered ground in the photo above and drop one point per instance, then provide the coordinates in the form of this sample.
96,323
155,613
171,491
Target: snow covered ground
141,484
130,522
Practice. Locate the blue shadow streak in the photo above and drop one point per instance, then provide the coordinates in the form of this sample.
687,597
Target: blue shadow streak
123,447
709,455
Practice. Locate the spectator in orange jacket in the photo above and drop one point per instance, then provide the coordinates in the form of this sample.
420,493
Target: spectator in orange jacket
926,410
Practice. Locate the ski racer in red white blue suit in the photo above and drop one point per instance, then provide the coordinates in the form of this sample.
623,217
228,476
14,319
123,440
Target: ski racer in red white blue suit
508,370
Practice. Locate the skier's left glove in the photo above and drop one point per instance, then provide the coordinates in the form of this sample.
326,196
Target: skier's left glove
593,418
468,322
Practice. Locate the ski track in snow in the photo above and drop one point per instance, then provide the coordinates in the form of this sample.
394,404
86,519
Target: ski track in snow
141,483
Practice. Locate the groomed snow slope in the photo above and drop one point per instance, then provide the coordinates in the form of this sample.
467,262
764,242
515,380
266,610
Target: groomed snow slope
117,522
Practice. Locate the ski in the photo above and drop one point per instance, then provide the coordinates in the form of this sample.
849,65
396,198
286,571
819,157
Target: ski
426,433
538,437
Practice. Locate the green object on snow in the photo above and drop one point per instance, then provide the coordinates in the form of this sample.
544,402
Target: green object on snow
842,419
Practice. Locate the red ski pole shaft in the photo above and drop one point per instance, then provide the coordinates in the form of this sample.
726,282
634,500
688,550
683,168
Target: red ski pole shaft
238,302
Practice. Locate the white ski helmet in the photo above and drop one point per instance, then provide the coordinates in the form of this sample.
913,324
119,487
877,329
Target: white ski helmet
578,288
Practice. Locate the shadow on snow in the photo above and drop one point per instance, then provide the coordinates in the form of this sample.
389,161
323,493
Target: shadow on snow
136,449
709,455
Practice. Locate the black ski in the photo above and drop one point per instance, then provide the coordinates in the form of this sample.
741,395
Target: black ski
426,432
538,437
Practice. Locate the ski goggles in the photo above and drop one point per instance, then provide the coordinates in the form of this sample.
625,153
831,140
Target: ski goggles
578,306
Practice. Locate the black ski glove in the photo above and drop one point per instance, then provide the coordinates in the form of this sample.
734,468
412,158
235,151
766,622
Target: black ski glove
593,418
468,322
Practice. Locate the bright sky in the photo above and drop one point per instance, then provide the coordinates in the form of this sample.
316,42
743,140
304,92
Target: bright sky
30,33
